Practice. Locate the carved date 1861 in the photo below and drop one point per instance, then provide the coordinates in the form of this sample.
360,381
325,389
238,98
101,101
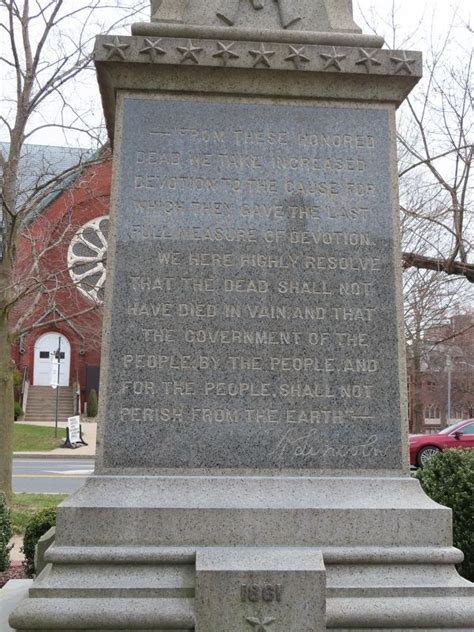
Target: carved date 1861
260,592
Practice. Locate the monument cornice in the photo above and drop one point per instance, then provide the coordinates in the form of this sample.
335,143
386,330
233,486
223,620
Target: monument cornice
323,58
252,68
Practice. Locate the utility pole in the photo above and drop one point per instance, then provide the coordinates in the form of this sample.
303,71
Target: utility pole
58,359
449,366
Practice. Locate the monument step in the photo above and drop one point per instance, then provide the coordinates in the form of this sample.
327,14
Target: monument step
346,555
246,511
380,573
69,615
144,581
401,591
387,580
420,613
398,584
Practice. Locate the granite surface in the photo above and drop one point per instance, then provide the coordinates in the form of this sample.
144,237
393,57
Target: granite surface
253,311
261,589
312,15
202,50
199,511
254,289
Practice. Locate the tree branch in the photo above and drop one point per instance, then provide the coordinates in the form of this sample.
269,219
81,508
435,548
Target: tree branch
413,260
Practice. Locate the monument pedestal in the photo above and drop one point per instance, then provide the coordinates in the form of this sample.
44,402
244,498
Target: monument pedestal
252,464
281,587
128,554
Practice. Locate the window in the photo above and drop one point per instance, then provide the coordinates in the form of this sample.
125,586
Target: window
432,412
468,430
432,415
44,355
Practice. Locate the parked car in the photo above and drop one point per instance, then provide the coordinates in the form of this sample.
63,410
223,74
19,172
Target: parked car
423,447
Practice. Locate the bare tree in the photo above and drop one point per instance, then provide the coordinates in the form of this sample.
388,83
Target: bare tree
430,299
436,139
46,47
435,176
439,152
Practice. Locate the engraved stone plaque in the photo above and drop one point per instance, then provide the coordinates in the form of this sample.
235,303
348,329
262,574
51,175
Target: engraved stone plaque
253,299
274,590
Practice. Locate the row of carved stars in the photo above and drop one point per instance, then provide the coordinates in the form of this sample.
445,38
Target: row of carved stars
262,56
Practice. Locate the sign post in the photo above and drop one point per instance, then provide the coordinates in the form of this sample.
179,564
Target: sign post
55,379
74,433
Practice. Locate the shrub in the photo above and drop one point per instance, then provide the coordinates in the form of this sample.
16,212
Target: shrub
17,382
17,378
37,526
448,478
92,403
18,410
5,534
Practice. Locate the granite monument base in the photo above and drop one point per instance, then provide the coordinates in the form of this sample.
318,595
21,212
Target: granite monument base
280,587
127,561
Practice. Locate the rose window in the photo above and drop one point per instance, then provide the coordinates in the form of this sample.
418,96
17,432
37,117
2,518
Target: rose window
87,258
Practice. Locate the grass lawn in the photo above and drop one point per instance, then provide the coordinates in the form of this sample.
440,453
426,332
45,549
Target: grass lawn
25,505
36,438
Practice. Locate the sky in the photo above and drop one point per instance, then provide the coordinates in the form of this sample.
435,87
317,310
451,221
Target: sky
414,24
418,18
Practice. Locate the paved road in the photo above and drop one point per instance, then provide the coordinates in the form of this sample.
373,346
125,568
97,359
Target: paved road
50,476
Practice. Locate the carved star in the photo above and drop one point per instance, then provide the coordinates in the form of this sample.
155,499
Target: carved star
297,56
226,52
190,52
403,63
368,59
262,56
333,59
260,626
152,49
115,48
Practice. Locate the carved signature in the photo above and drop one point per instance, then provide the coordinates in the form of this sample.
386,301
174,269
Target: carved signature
309,445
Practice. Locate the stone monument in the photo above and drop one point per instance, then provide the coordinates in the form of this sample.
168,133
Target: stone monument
252,469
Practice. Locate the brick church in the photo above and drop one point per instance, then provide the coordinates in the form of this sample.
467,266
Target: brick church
61,256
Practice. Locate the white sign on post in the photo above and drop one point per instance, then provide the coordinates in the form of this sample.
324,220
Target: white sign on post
54,373
74,426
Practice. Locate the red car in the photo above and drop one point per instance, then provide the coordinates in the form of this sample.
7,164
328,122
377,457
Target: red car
423,447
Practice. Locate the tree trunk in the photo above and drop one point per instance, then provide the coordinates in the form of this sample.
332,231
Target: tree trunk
6,390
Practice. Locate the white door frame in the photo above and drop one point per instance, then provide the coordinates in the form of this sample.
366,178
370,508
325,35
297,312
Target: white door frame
45,347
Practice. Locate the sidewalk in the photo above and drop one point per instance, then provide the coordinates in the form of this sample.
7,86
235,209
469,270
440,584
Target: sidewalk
89,433
16,590
10,596
15,554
